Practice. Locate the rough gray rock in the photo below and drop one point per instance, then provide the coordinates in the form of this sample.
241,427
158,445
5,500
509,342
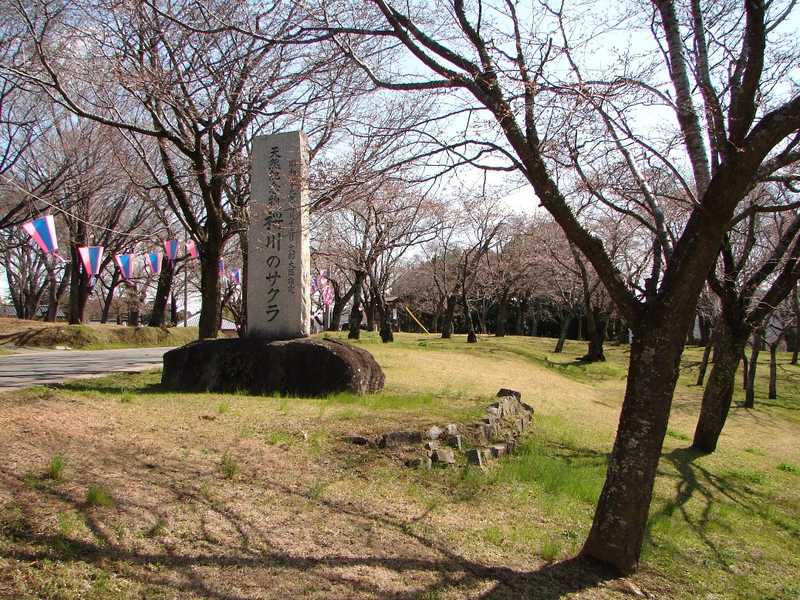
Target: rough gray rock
358,440
452,429
303,367
454,441
400,438
506,392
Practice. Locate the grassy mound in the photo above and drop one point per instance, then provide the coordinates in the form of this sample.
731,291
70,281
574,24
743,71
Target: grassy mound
36,334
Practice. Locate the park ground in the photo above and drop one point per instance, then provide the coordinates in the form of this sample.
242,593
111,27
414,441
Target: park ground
114,489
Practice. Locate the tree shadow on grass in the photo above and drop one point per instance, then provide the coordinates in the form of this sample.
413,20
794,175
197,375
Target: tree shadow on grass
118,383
712,489
426,566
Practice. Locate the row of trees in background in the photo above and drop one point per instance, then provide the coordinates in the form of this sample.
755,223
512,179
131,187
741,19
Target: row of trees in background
646,227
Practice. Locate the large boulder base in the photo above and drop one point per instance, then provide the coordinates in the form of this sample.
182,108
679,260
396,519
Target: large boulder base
301,367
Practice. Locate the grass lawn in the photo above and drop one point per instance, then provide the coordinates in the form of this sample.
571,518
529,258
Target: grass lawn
39,334
112,488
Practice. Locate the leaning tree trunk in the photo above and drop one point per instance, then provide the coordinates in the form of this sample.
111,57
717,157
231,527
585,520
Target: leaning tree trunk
773,371
620,521
339,302
718,394
750,392
447,320
562,334
209,291
110,296
355,312
502,314
163,291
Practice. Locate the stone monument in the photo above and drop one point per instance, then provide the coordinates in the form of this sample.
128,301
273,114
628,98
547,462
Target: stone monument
276,355
279,262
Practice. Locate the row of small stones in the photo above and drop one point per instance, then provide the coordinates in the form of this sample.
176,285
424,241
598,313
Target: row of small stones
508,412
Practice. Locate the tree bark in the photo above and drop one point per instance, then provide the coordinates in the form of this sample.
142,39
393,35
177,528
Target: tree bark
163,291
471,337
718,394
110,296
447,321
502,314
56,291
620,521
596,332
710,342
78,290
339,302
355,312
745,370
773,371
209,291
749,398
562,334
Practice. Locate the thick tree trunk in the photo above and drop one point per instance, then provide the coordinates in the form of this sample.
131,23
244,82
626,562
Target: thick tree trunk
620,521
447,322
56,291
710,343
78,290
339,302
773,371
355,312
110,297
562,334
796,309
370,313
502,314
163,291
745,370
750,392
483,315
209,291
173,309
471,337
718,394
596,332
705,330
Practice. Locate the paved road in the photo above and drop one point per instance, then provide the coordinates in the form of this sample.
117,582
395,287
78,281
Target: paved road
53,366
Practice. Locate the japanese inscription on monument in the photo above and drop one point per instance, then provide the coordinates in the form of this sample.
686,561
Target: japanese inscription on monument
278,277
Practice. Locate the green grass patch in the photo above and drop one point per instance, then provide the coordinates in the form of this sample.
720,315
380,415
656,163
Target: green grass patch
229,466
97,495
55,469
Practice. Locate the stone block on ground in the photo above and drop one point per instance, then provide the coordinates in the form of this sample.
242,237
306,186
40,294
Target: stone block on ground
452,429
444,456
499,450
475,457
302,367
400,438
434,433
454,441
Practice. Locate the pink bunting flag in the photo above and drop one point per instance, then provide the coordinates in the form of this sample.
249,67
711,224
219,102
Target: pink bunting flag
91,257
43,232
126,264
171,248
191,248
154,262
